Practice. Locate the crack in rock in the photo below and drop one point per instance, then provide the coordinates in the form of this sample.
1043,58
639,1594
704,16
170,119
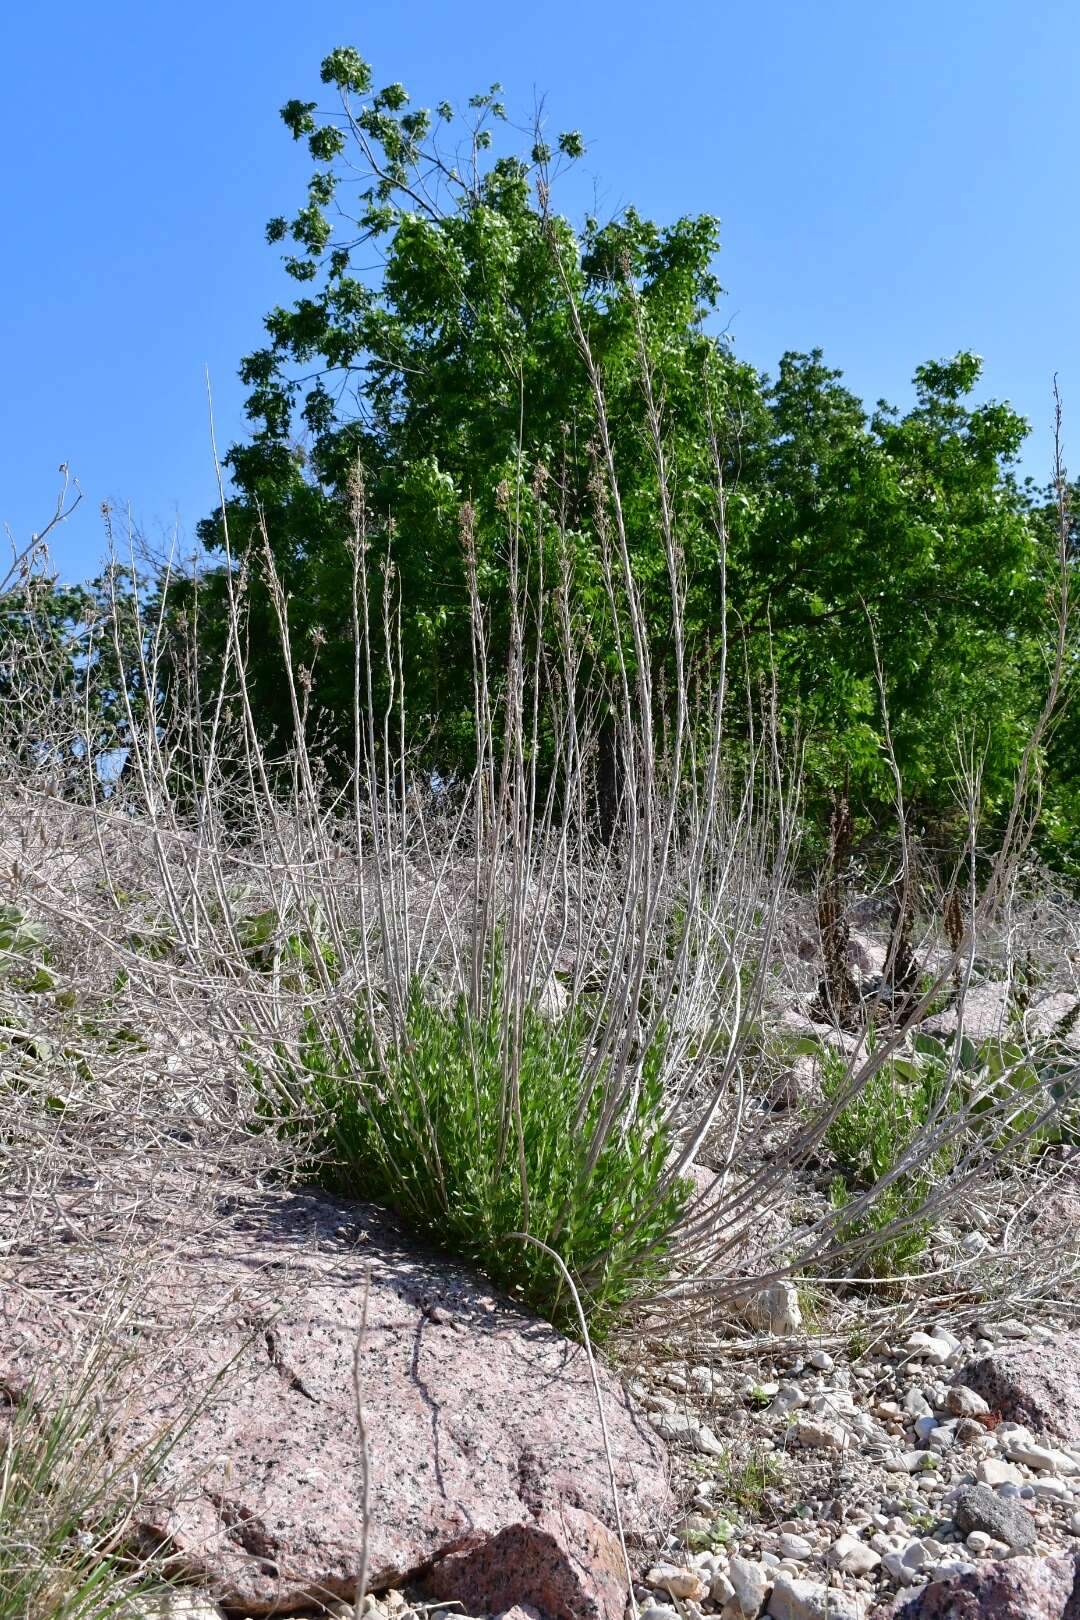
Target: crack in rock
281,1366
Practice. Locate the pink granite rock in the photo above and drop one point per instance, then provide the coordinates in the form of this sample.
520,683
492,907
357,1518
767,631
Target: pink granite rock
567,1561
488,1473
1014,1589
1034,1382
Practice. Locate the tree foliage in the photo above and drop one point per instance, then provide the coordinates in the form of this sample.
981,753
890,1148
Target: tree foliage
449,339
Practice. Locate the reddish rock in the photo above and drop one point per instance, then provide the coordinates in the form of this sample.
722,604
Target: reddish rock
488,1472
564,1562
1034,1382
1014,1589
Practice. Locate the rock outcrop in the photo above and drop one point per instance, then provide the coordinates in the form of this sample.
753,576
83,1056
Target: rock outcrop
1011,1589
489,1481
1034,1383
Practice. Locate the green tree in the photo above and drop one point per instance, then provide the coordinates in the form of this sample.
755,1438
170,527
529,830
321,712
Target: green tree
457,376
904,539
457,379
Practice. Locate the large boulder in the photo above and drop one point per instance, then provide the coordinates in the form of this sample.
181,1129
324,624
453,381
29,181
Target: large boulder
1013,1589
1036,1383
489,1481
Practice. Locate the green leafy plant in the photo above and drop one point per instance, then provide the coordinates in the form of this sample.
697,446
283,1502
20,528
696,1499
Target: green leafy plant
745,1486
883,1118
23,952
24,955
895,1254
869,1137
718,1534
273,943
1013,1097
1017,1092
472,1140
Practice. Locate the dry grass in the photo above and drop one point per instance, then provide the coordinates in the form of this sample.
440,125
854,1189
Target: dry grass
198,914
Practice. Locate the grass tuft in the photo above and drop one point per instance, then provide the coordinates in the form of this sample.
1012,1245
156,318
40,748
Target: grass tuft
470,1140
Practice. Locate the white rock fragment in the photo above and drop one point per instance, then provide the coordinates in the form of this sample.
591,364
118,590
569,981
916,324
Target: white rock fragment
676,1581
674,1425
996,1471
702,1379
911,1462
658,1403
706,1442
926,1347
794,1599
916,1403
949,1568
820,1434
884,1543
1043,1459
750,1587
905,1564
853,1556
788,1399
774,1309
1012,1328
964,1402
721,1590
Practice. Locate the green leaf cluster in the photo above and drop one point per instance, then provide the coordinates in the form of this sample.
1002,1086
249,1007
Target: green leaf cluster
472,1137
1017,1098
435,345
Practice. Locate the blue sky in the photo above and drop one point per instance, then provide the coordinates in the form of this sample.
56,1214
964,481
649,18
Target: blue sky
895,182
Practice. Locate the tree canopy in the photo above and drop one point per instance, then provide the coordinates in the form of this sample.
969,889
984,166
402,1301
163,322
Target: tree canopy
449,341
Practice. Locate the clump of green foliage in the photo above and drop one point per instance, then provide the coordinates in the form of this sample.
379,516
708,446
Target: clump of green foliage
471,1137
24,972
745,1486
870,1137
1012,1097
289,946
24,952
456,373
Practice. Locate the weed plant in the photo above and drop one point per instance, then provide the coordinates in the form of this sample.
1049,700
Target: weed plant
870,1138
472,1142
1001,1096
63,1517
